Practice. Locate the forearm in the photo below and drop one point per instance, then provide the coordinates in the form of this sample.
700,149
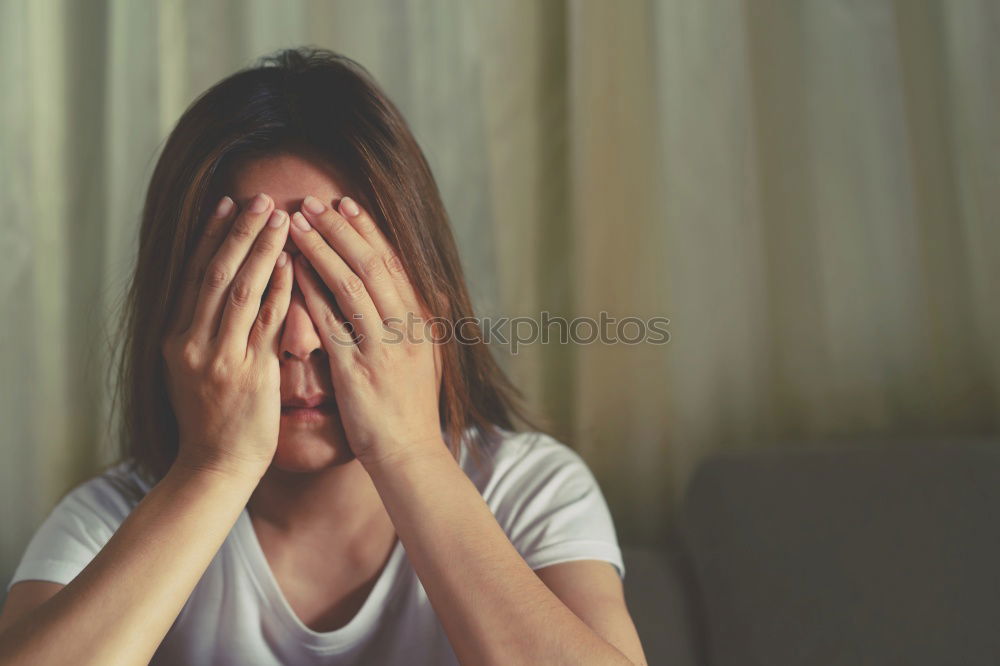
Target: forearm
118,609
493,607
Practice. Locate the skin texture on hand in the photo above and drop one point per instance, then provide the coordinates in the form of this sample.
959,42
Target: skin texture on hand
384,364
221,349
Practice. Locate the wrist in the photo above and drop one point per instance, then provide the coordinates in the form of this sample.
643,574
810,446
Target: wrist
406,454
225,467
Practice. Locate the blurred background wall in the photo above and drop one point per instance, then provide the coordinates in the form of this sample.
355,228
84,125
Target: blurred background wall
809,190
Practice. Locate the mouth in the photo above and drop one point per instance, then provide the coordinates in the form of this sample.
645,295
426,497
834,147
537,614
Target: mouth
308,410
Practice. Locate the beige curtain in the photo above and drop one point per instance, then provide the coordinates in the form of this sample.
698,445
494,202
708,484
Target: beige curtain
807,189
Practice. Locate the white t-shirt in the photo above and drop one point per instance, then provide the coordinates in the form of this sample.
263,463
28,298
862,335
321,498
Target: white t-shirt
540,491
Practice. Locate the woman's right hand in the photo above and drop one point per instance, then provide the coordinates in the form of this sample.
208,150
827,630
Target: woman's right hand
221,350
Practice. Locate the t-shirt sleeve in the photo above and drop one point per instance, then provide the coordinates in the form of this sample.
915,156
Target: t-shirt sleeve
75,531
551,506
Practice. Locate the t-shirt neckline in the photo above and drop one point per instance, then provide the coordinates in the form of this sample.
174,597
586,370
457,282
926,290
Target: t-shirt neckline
356,630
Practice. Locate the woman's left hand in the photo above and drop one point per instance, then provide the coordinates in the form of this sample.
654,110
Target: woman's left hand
386,373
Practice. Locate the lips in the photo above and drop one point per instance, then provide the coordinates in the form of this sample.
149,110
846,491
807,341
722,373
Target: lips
304,410
307,402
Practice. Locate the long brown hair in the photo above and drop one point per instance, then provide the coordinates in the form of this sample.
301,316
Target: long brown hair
327,104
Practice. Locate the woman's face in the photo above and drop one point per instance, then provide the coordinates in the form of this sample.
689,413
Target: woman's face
308,439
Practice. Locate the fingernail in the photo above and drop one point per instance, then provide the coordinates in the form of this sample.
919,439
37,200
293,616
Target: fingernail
300,221
259,203
277,218
348,206
224,208
313,205
282,259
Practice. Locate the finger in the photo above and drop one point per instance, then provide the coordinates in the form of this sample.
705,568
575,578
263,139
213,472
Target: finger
211,238
369,230
337,336
243,304
267,326
225,263
364,261
348,289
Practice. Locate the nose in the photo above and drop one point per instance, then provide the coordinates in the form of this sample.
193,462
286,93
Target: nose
299,339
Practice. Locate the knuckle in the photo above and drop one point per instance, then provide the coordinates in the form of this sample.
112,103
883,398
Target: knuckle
279,283
242,230
216,277
317,247
395,264
352,285
265,246
372,266
189,355
337,224
215,231
268,315
220,370
241,293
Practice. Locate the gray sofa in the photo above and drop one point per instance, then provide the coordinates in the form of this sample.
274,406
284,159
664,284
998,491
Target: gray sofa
856,554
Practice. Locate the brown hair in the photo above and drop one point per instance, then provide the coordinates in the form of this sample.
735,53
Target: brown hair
326,104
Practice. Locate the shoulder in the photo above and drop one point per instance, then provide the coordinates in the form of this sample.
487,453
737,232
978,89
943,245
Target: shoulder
530,475
547,501
518,460
106,499
80,524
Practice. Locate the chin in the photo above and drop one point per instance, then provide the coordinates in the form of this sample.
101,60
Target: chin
311,447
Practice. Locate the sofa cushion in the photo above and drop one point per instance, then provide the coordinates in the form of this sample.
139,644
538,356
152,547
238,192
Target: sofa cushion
884,554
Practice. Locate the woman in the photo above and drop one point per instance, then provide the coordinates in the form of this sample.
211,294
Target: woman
309,475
